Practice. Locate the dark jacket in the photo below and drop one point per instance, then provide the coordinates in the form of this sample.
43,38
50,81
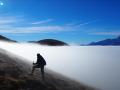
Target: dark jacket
41,60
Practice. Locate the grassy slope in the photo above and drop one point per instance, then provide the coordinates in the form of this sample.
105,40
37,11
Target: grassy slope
15,75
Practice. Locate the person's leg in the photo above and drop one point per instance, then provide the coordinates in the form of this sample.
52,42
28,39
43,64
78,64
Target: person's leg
42,71
33,70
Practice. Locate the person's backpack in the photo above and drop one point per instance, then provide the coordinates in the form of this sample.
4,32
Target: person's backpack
44,62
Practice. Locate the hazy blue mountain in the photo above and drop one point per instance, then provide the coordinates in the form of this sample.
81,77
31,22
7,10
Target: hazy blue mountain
107,42
50,42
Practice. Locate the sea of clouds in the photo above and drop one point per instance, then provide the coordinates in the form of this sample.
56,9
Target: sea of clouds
97,66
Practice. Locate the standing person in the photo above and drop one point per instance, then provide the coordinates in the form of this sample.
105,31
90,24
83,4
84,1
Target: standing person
39,64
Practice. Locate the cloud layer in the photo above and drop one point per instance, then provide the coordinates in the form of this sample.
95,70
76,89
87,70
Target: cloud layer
42,22
114,33
13,24
19,24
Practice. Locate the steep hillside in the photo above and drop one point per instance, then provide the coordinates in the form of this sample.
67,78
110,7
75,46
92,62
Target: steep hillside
15,75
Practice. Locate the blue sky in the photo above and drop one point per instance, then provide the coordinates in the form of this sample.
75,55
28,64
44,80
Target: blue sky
72,21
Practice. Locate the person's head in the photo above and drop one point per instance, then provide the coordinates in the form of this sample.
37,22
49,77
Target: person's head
38,54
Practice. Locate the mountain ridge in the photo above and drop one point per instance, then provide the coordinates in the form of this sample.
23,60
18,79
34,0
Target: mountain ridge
107,42
50,42
3,38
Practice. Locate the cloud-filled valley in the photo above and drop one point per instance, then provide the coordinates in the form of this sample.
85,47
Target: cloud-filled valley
97,66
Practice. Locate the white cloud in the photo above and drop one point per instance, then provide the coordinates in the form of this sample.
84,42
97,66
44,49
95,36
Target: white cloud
5,20
40,29
42,22
77,24
71,24
86,23
15,24
116,33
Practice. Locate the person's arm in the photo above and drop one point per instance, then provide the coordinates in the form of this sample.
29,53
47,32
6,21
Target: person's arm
35,63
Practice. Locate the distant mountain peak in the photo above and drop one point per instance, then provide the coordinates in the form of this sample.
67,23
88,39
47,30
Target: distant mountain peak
107,42
3,38
118,37
51,42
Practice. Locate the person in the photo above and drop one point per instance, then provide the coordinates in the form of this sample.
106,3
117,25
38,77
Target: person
39,64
